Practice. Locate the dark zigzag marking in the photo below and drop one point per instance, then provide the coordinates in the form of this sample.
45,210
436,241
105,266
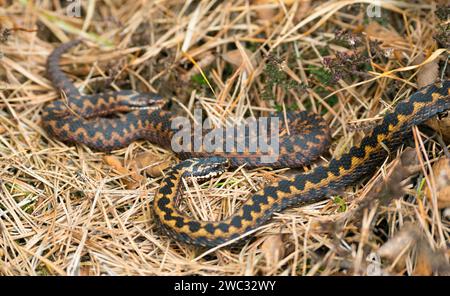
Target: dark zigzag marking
162,203
247,212
179,222
194,226
236,221
210,228
224,227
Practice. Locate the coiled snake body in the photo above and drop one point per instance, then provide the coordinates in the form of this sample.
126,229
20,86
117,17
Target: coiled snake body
80,120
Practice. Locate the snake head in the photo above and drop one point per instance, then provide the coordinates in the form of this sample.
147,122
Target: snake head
138,101
203,168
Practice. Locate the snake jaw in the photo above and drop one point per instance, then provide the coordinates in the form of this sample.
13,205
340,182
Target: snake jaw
204,168
141,101
147,101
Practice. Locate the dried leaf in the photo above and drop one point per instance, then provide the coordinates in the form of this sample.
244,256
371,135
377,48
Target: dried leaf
156,171
388,37
302,10
116,164
397,247
153,164
441,173
442,126
236,58
409,162
430,262
428,73
423,262
267,14
273,250
85,270
398,54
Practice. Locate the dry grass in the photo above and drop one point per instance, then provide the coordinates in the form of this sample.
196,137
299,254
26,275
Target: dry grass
65,210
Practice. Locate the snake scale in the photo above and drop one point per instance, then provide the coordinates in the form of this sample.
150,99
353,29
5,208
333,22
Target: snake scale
83,119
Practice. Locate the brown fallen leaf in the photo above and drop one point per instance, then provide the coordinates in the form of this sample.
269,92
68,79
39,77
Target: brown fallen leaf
442,126
236,58
273,250
85,270
427,261
430,262
2,130
302,10
116,164
428,73
267,14
389,39
152,163
441,173
423,264
387,189
397,248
